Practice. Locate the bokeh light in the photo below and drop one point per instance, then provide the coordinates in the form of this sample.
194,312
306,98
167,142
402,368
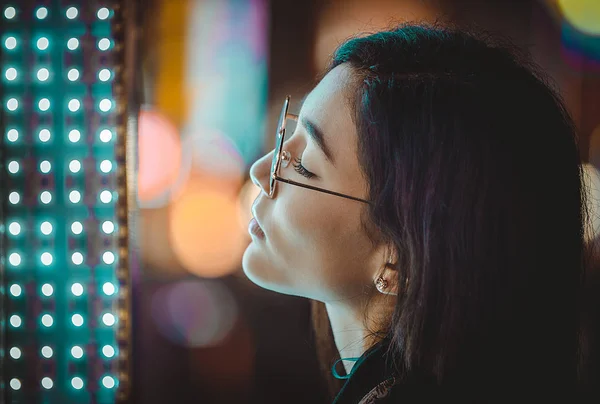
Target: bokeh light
194,313
160,159
582,14
204,229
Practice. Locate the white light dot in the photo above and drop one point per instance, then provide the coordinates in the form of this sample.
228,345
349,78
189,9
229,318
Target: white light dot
47,289
105,166
108,227
74,166
105,135
45,166
73,74
15,384
77,289
103,13
77,352
43,74
47,320
108,351
14,228
11,74
46,228
76,227
74,105
108,257
108,319
105,196
14,197
15,352
47,352
73,43
12,104
47,383
13,167
77,258
15,290
72,13
44,135
77,320
75,196
44,104
77,383
14,259
74,136
104,75
105,105
11,42
12,135
10,13
43,43
41,13
46,197
103,44
108,289
15,321
108,382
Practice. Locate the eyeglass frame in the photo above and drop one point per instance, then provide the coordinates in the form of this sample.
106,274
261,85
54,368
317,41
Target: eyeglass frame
276,161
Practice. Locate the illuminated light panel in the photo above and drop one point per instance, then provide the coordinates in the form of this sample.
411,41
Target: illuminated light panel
47,352
10,43
74,105
14,228
105,136
73,44
10,13
75,196
15,353
108,289
104,75
12,104
105,196
104,44
108,351
47,383
77,352
108,227
41,13
14,197
15,290
43,43
108,319
46,197
14,259
12,135
103,13
72,13
75,166
77,383
44,104
77,320
46,258
77,289
105,166
15,321
108,258
13,167
43,74
73,75
105,105
47,290
74,136
77,258
11,74
46,228
76,228
44,135
45,167
47,320
108,382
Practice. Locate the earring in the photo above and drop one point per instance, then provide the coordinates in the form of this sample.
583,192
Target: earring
381,284
285,158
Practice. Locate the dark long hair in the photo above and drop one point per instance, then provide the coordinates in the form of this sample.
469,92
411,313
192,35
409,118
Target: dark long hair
475,175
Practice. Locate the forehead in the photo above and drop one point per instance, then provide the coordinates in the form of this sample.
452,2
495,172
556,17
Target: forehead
327,106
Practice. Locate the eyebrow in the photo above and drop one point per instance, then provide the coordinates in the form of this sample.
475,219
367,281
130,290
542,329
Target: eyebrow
317,136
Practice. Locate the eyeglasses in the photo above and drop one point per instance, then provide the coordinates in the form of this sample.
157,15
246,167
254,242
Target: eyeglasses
285,156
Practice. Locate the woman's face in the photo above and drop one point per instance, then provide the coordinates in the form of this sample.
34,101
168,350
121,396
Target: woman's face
314,245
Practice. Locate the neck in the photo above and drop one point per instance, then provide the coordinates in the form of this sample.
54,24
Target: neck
352,336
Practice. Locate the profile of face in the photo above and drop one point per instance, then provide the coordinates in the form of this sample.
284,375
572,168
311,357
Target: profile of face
314,244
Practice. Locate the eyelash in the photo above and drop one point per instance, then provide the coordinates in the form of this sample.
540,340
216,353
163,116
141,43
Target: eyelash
301,170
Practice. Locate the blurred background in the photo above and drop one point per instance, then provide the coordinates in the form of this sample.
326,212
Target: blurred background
214,74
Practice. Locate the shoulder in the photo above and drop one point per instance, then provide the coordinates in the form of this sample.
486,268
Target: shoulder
394,390
381,393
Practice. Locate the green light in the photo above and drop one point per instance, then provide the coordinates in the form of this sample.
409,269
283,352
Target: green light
105,166
105,196
43,43
11,74
77,352
13,167
108,258
104,75
72,13
108,289
14,228
12,135
76,227
108,319
46,228
44,135
74,136
45,167
77,383
10,43
15,384
74,105
74,166
12,104
15,321
47,383
75,196
46,258
77,289
14,197
47,320
15,353
103,13
73,44
108,227
105,136
77,320
15,290
108,382
46,197
10,13
14,259
41,13
47,352
47,290
105,105
104,44
43,74
73,75
77,258
108,351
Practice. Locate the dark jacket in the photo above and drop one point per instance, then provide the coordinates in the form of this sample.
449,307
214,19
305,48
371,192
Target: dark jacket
373,380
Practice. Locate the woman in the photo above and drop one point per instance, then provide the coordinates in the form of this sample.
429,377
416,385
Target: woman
430,199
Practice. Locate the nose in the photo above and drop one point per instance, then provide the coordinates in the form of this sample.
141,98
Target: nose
260,171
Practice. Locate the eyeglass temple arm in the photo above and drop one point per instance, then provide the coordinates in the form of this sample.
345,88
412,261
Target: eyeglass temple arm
278,178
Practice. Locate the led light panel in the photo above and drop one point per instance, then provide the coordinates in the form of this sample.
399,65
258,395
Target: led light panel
64,232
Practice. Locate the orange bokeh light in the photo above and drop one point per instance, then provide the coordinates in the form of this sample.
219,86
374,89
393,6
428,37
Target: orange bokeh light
204,229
